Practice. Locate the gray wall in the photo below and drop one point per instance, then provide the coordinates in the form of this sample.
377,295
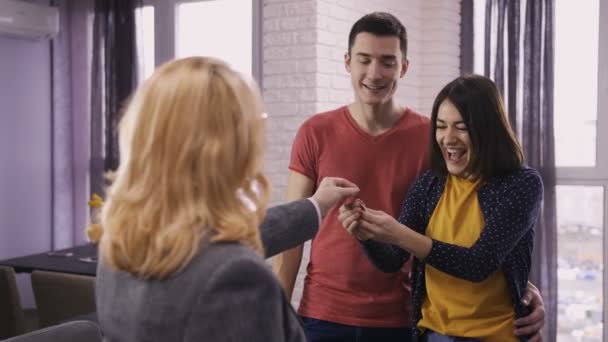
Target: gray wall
25,150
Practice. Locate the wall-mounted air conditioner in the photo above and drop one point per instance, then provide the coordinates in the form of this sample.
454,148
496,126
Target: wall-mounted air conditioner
28,20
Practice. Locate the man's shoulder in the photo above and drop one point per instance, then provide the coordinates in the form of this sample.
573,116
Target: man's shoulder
332,112
417,119
326,118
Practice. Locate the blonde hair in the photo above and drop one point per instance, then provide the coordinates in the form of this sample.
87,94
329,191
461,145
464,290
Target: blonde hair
191,143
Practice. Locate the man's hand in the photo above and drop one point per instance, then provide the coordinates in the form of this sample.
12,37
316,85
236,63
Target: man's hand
532,324
331,190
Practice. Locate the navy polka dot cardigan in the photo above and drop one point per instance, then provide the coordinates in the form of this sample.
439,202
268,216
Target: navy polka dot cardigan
510,206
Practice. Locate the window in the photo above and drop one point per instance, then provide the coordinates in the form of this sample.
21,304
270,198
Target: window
220,28
580,222
576,68
226,29
581,128
144,21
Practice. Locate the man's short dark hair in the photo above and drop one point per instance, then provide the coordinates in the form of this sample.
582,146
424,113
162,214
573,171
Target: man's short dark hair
379,24
496,150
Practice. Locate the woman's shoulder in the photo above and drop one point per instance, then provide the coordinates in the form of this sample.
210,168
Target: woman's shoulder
234,270
523,178
215,263
216,256
228,274
211,258
231,261
425,180
525,174
528,171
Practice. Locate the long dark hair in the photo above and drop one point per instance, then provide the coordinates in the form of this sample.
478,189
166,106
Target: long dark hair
496,150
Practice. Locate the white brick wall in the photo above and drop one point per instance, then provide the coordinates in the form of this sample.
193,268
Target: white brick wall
304,42
290,65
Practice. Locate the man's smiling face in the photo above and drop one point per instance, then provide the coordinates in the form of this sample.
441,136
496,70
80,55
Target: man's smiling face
375,64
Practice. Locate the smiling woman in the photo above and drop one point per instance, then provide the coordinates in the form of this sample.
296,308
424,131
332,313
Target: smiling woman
469,222
453,138
469,121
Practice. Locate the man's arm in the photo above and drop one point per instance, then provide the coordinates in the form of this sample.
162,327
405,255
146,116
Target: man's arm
287,264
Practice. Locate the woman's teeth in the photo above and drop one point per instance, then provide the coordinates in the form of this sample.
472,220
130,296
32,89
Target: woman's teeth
455,155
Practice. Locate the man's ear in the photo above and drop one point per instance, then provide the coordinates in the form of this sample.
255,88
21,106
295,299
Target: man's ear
404,65
347,61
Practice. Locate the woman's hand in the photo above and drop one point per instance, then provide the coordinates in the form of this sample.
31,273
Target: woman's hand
349,218
380,226
364,223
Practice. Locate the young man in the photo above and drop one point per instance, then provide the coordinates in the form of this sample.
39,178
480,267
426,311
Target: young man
382,147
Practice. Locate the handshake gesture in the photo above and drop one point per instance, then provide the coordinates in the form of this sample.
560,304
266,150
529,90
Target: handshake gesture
364,223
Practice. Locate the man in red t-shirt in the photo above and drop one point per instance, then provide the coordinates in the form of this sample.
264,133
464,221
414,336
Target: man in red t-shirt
382,147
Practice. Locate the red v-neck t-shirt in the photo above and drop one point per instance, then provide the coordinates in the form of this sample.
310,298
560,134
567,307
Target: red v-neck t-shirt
341,285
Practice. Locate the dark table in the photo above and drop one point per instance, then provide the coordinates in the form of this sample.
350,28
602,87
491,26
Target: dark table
76,260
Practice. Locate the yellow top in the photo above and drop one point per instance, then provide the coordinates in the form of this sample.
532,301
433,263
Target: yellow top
458,307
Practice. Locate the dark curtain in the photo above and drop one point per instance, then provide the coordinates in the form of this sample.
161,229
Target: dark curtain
527,85
467,30
114,77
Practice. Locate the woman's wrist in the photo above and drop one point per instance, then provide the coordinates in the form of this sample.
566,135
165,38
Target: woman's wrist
415,243
404,238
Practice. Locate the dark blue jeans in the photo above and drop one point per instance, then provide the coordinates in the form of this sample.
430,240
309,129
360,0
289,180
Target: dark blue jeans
324,331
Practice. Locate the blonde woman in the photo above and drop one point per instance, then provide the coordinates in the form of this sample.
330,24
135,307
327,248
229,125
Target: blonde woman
181,251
